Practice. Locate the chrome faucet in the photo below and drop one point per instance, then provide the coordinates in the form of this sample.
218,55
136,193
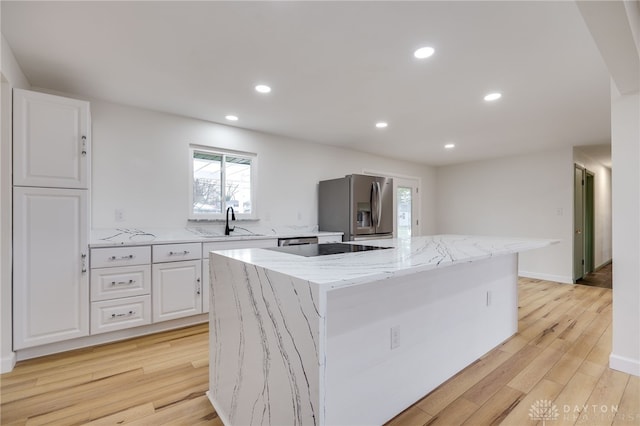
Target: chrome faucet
228,230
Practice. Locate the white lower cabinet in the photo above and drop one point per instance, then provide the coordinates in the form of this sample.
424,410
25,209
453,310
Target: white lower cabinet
176,289
50,266
120,288
117,314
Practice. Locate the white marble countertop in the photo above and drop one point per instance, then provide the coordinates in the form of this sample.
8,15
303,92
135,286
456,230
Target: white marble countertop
196,233
407,256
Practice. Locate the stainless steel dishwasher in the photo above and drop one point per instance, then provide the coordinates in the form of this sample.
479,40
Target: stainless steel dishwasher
297,241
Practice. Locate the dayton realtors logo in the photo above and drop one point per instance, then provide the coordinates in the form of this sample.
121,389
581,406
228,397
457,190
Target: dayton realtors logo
543,410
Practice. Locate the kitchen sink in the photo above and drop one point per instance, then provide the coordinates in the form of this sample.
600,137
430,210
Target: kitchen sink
237,233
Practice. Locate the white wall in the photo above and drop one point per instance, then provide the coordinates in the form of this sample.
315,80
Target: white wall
140,164
522,196
11,76
625,155
615,27
602,206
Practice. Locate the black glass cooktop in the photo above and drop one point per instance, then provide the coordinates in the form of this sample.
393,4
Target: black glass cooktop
313,250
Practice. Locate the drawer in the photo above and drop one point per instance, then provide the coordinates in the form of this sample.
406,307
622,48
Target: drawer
176,252
120,256
111,315
125,281
230,245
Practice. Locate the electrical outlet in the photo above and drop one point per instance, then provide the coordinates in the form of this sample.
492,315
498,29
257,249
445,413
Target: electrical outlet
119,215
395,337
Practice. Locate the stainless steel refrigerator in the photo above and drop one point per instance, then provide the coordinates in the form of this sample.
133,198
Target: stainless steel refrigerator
360,206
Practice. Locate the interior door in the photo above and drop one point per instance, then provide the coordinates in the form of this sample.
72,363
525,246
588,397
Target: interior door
407,201
578,223
589,223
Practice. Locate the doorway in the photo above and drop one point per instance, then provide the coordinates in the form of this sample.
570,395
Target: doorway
584,222
406,210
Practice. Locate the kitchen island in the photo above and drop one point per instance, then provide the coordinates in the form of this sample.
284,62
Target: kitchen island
354,338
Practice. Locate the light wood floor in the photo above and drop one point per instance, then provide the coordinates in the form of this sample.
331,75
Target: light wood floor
560,354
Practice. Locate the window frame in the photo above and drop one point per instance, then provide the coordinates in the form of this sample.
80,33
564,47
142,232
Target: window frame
252,157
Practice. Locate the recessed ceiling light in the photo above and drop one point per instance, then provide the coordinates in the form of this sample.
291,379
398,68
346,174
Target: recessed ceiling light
381,124
262,88
424,52
231,117
493,96
450,146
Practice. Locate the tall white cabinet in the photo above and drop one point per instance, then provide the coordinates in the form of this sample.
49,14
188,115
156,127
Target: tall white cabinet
51,218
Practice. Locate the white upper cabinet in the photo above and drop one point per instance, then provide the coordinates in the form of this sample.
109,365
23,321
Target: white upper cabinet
52,140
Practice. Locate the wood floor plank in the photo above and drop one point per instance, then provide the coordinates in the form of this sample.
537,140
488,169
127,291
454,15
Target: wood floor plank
449,391
574,395
179,413
496,408
606,394
126,416
545,390
530,375
410,417
454,414
496,379
564,369
628,410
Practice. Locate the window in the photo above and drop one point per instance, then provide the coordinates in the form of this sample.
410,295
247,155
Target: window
221,180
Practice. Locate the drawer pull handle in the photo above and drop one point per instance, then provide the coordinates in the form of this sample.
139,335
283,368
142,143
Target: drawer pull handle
128,314
84,145
113,283
178,253
83,256
127,257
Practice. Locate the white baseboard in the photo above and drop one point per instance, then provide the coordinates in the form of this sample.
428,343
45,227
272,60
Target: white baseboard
7,363
626,365
547,277
113,336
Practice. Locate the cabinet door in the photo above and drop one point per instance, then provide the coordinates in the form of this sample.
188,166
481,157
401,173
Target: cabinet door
50,278
176,289
51,140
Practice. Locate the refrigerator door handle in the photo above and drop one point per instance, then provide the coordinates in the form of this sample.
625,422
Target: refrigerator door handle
374,205
378,204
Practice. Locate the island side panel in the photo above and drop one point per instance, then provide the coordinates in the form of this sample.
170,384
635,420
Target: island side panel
264,330
445,319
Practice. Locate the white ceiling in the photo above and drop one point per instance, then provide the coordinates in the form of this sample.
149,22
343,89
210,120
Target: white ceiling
336,68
